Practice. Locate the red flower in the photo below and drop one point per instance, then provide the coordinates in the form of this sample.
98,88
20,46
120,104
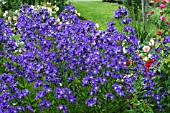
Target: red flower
148,63
128,62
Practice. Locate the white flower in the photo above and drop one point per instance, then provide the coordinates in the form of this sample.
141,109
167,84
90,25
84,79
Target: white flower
14,104
49,10
3,2
22,42
67,23
127,76
76,11
43,7
146,48
14,18
60,84
32,6
127,37
123,43
57,9
94,43
58,19
124,50
152,42
149,55
16,12
60,23
9,19
145,59
97,25
48,3
6,12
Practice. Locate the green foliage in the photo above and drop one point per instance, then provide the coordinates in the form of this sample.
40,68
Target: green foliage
15,4
2,60
143,35
60,4
134,7
10,4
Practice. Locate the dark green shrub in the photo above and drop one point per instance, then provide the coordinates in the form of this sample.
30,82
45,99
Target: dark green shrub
10,4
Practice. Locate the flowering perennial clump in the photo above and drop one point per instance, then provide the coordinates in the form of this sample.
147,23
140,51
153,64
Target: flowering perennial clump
67,65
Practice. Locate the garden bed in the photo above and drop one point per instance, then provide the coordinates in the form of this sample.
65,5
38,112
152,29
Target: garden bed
53,63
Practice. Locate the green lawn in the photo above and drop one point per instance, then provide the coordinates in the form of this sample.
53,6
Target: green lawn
99,12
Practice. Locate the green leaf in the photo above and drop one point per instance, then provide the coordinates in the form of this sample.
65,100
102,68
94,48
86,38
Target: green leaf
17,37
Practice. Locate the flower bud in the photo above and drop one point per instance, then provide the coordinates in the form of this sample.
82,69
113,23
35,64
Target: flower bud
152,12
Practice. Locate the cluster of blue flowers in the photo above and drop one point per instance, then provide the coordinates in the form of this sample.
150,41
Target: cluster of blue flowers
120,13
5,31
51,56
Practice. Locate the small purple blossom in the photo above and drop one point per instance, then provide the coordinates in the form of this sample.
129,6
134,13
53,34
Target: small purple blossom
121,12
126,20
63,108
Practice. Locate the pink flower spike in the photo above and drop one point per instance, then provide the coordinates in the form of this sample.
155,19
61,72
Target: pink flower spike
162,18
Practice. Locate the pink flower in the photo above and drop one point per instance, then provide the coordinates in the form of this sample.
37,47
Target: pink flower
162,18
152,11
146,48
167,23
162,6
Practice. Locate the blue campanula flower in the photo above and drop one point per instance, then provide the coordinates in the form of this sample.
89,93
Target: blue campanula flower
126,20
121,12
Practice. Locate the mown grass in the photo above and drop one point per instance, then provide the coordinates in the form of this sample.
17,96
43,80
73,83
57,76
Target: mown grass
99,12
102,13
